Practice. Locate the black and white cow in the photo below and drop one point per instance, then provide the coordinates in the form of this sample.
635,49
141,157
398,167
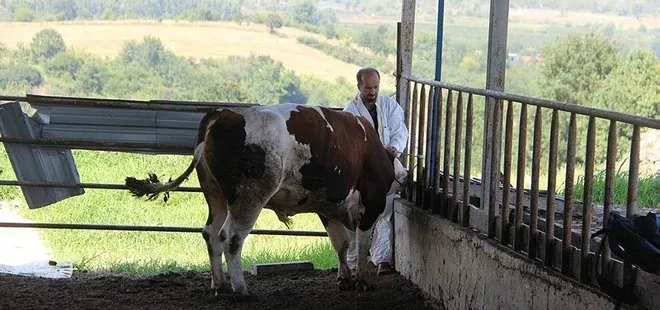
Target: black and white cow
291,159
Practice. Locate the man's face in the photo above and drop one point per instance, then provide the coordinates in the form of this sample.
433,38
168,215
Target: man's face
369,87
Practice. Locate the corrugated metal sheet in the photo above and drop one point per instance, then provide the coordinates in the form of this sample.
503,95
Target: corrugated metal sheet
120,125
37,164
86,123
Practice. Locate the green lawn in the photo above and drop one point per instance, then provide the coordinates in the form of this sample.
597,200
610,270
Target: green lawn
154,251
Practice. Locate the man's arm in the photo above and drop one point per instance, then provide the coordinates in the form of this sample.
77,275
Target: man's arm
397,124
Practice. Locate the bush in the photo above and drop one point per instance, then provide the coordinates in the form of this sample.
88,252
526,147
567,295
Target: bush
348,54
46,44
23,14
64,63
20,73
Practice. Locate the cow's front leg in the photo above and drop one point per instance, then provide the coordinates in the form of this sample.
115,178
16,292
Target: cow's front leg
337,234
363,279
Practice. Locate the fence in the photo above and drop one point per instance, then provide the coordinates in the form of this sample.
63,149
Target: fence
109,140
441,119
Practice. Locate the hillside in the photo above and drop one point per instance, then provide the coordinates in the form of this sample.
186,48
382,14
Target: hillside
197,40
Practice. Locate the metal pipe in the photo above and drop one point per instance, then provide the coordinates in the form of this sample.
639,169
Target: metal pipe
92,145
506,183
610,176
468,163
552,184
566,261
429,171
587,199
436,208
437,92
496,147
520,179
408,115
438,39
398,72
85,185
457,157
579,109
447,156
155,228
421,147
633,173
413,145
536,173
158,105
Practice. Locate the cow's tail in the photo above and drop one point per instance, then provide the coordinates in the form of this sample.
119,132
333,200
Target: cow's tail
152,187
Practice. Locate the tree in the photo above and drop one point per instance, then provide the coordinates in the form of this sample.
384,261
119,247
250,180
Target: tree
150,52
64,63
329,31
573,67
304,12
66,9
274,21
632,87
20,74
91,78
46,44
23,14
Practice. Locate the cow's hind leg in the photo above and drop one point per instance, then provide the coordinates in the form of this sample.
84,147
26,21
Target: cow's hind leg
240,220
337,233
214,247
217,215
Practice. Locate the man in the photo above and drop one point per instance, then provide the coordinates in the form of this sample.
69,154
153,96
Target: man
386,115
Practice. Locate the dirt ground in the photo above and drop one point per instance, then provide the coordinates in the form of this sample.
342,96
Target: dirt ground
191,290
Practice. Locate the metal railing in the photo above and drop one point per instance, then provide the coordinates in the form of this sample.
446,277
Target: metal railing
179,106
441,121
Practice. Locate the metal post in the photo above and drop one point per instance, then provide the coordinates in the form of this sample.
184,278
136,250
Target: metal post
496,67
407,35
438,77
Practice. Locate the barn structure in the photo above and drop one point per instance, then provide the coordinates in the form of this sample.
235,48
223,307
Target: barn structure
469,240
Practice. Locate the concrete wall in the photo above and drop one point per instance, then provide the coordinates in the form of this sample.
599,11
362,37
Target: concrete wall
463,270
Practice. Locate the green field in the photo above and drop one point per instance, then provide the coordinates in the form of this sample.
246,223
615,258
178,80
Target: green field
152,252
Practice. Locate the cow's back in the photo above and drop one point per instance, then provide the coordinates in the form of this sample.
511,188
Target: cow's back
239,157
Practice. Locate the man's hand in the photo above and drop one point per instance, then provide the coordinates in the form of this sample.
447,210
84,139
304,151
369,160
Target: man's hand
392,150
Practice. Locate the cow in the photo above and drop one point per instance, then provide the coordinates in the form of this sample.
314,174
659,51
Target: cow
290,159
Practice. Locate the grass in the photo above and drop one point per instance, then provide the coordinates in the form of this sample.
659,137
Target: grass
157,252
153,252
648,190
197,40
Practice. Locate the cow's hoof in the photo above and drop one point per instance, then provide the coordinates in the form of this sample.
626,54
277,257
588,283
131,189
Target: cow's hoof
345,284
222,289
362,286
240,297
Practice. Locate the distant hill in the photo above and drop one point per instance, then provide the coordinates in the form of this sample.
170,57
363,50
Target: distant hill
197,40
232,9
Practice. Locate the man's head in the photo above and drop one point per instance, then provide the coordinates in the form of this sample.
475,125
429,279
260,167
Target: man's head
368,81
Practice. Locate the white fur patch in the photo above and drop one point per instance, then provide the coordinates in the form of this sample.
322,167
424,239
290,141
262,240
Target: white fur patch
364,131
353,206
327,124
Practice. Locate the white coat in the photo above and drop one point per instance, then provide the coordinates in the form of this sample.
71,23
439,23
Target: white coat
392,132
391,121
